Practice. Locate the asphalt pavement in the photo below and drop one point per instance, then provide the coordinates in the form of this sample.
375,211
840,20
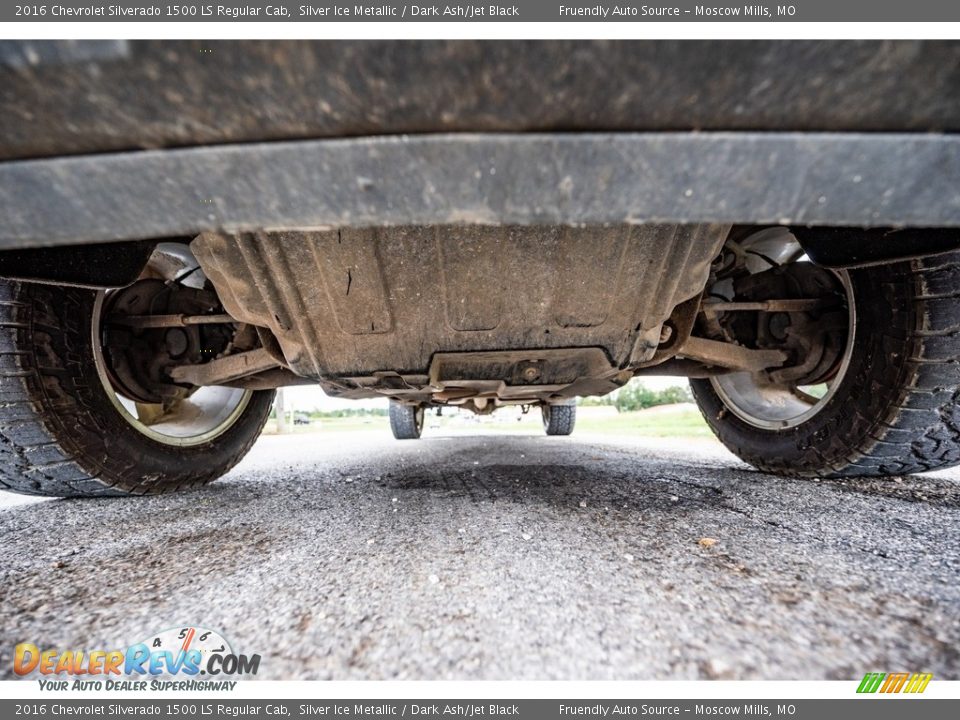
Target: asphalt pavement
504,557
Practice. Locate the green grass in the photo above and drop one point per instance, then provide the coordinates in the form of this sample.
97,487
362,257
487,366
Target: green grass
682,422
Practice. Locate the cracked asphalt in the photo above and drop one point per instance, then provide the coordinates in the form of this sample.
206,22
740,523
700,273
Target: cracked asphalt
504,557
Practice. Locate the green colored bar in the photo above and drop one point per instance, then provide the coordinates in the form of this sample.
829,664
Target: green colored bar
871,682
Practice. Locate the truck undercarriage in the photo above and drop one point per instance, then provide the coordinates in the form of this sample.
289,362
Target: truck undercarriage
471,316
785,262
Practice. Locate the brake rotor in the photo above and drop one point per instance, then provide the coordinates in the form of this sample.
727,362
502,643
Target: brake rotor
815,339
138,359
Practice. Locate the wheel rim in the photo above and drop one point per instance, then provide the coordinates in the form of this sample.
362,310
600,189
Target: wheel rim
775,407
206,414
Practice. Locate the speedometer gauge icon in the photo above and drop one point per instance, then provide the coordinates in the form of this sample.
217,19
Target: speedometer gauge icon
183,639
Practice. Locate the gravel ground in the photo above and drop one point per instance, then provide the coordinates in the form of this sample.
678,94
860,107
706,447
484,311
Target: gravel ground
481,556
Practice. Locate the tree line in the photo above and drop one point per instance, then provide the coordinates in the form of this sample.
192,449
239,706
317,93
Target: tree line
637,396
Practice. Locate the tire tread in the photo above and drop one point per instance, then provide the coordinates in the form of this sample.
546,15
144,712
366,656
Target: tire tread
51,429
562,419
904,416
403,421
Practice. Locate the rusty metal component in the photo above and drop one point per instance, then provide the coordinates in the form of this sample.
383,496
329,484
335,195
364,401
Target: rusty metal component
781,305
139,353
728,355
226,369
674,333
169,321
809,320
531,373
521,367
817,343
268,380
364,312
513,375
681,367
499,377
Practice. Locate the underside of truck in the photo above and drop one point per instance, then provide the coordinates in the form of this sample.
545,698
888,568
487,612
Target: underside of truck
523,224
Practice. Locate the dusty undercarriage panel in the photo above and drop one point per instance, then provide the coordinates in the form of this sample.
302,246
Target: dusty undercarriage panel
381,310
91,97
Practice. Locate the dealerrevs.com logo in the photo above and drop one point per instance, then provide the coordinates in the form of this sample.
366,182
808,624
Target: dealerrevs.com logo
183,658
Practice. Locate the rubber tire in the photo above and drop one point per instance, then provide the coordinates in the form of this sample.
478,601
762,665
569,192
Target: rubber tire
60,434
559,419
897,408
406,421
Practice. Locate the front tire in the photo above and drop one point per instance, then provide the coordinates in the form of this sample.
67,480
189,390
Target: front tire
896,409
61,431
